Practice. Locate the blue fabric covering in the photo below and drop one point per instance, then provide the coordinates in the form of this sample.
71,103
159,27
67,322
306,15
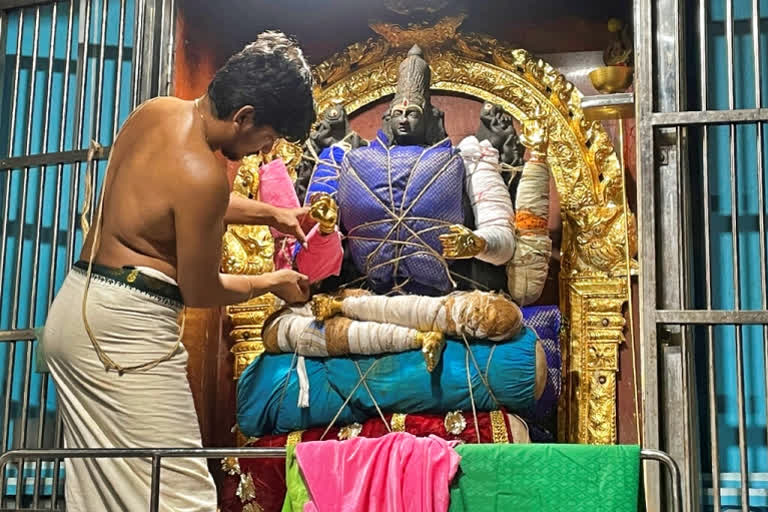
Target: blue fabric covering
545,320
542,418
395,202
267,391
325,177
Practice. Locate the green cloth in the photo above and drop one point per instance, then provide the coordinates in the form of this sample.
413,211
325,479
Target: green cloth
546,478
296,489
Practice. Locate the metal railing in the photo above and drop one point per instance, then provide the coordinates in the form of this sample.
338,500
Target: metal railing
157,454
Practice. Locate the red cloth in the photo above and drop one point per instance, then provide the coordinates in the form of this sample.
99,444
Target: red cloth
269,474
322,257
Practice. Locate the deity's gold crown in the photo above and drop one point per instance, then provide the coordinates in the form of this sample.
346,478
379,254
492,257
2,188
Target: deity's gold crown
412,82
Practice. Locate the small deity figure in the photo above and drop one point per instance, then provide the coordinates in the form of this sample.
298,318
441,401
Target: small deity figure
427,234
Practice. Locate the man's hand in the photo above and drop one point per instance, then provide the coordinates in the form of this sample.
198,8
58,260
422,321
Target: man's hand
292,222
290,286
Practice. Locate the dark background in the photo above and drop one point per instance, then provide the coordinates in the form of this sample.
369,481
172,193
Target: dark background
323,27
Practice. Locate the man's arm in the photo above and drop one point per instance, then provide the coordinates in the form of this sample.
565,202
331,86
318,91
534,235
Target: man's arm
242,210
199,227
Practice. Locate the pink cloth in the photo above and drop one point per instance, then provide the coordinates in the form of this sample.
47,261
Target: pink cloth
395,473
276,188
275,185
322,257
285,246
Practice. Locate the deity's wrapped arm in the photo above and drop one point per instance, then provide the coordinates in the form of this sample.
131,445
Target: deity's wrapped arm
490,199
527,270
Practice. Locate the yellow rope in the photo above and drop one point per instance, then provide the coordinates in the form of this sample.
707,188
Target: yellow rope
373,399
108,362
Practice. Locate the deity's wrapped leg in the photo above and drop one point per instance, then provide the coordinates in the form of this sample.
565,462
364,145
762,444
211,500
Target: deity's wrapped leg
296,330
476,315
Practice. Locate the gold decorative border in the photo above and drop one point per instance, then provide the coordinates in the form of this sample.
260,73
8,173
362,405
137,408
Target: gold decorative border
498,427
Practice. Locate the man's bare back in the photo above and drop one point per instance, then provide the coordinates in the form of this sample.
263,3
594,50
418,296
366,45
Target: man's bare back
146,178
167,198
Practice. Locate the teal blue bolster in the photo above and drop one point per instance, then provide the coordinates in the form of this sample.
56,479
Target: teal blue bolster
267,391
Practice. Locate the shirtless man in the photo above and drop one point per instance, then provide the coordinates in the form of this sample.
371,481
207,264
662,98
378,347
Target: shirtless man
155,247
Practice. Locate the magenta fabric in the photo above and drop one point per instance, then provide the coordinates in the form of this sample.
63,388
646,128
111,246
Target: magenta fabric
321,257
395,473
275,185
285,246
276,188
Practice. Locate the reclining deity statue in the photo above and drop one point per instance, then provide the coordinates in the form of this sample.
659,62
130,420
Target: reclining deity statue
427,230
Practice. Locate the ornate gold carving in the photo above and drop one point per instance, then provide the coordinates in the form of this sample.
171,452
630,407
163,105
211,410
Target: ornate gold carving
350,431
461,243
498,427
455,423
246,490
534,136
398,422
230,465
294,438
595,329
247,321
587,174
250,250
324,210
252,507
399,37
432,343
247,250
325,307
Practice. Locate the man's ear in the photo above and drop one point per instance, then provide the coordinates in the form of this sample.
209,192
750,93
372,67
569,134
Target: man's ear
244,116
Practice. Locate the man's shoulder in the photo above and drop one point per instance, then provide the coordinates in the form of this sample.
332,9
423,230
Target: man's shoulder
165,113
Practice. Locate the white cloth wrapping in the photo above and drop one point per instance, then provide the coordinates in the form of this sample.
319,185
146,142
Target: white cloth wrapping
414,311
491,203
102,409
533,189
527,270
297,331
453,317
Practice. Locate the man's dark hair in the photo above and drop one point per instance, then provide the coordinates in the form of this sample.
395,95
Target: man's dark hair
271,75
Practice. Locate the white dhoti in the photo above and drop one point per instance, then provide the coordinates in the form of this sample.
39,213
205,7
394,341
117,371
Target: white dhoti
100,409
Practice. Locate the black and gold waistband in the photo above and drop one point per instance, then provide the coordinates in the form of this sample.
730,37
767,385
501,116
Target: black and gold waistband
133,278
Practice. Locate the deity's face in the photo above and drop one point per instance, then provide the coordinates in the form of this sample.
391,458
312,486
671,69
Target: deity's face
407,125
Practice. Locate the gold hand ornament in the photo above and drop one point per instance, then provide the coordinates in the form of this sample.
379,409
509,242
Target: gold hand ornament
324,210
461,243
535,136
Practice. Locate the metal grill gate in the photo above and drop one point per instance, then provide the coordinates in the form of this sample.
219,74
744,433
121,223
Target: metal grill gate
71,71
701,88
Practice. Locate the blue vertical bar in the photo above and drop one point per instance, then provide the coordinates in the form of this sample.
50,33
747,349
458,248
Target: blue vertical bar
749,243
